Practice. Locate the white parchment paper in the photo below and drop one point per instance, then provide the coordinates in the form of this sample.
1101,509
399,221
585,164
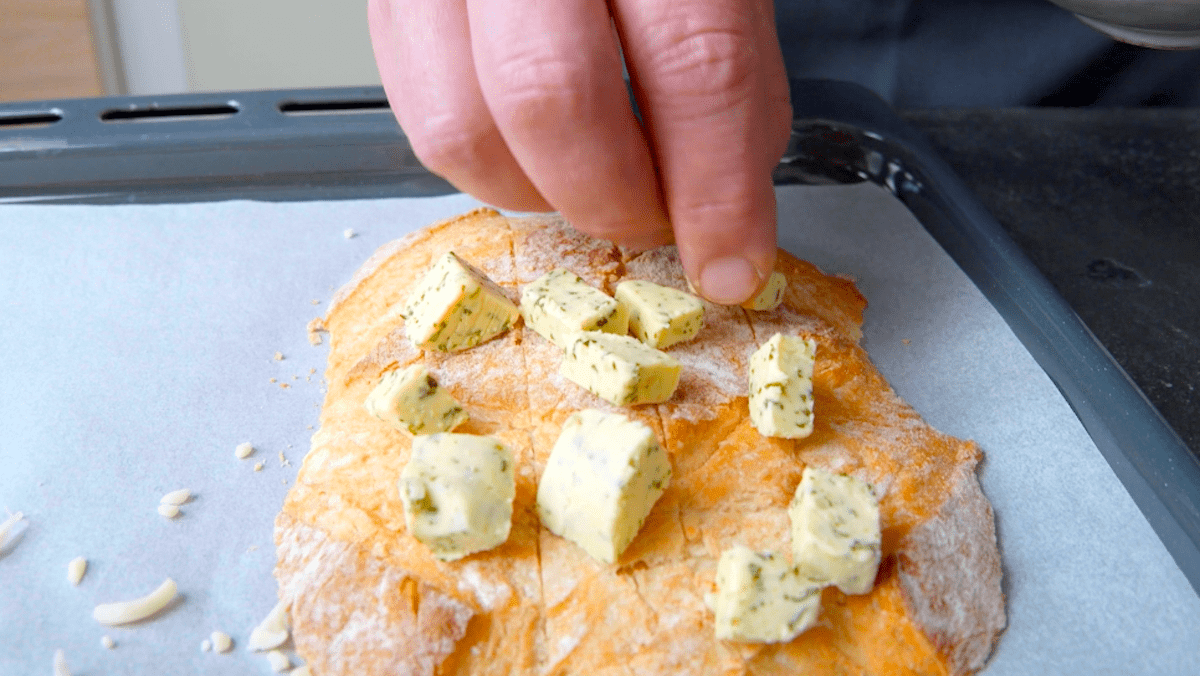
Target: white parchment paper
137,350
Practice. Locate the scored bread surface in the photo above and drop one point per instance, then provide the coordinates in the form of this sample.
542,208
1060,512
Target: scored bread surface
367,598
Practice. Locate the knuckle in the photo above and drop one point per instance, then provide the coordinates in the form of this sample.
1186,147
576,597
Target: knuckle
448,144
535,88
715,64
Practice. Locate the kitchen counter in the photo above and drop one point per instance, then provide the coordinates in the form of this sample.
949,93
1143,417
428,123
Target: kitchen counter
1106,203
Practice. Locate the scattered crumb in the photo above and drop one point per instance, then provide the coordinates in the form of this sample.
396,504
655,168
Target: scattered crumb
7,526
107,642
221,642
906,341
75,570
312,371
349,233
252,548
178,497
310,427
169,511
289,445
284,386
258,467
279,356
314,339
279,661
283,462
243,450
206,645
295,377
316,302
274,380
283,481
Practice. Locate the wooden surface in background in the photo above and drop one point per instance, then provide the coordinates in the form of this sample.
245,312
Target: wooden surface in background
46,50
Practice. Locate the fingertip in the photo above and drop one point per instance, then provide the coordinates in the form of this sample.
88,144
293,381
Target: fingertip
733,279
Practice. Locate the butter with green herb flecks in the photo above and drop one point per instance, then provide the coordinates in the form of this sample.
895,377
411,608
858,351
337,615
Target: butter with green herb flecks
658,315
781,388
762,599
771,295
560,304
835,530
458,491
410,400
601,480
619,369
455,306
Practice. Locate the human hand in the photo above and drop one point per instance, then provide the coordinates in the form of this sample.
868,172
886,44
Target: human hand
521,103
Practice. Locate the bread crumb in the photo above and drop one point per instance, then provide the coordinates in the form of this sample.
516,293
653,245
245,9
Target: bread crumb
283,481
312,371
349,233
906,341
314,339
295,377
283,462
272,632
7,526
178,497
274,380
279,661
124,612
316,301
252,548
243,450
205,645
75,570
310,427
221,642
279,356
107,642
169,511
258,466
284,386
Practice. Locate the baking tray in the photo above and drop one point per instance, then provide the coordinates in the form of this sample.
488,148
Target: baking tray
341,143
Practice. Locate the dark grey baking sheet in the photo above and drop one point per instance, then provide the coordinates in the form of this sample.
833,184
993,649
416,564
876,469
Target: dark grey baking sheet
352,155
342,144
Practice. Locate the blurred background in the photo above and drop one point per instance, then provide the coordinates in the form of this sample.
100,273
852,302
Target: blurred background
914,53
71,48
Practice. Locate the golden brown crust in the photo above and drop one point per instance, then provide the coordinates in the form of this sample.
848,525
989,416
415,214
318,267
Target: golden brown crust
368,599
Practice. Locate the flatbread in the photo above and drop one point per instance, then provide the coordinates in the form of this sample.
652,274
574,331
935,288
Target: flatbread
367,598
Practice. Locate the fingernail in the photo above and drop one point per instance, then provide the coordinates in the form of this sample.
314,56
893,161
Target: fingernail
728,281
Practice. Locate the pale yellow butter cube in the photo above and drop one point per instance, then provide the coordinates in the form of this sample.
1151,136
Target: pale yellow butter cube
762,599
410,400
619,369
835,530
781,388
771,295
658,315
455,306
560,304
458,491
603,476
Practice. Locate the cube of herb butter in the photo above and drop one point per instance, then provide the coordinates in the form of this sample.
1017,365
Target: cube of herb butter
761,598
455,306
457,491
410,400
560,304
658,315
603,476
781,388
835,530
619,369
771,295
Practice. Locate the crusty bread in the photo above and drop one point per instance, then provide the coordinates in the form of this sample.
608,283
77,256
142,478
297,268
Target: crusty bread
367,598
